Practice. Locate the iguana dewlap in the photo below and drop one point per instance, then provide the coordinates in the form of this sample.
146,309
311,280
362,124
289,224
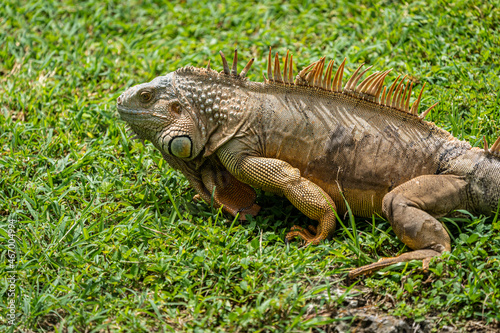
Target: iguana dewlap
318,143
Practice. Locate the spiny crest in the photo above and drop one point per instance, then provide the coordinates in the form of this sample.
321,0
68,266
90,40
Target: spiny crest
494,150
276,75
371,88
234,69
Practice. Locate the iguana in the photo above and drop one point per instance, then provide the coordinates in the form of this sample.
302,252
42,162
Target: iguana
320,144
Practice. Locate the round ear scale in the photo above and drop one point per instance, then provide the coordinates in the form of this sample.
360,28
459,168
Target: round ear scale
181,146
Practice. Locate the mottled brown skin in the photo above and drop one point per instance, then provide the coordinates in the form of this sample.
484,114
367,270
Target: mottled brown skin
317,148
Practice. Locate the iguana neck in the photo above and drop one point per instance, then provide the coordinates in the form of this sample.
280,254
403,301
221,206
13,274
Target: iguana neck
217,104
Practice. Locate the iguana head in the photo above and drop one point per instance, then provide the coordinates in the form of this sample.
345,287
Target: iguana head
187,113
155,112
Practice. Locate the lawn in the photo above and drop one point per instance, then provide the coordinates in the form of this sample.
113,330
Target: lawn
99,234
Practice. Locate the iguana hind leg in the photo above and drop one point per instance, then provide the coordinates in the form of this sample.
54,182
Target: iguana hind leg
412,208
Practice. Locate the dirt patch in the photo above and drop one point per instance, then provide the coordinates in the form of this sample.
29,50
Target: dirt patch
361,311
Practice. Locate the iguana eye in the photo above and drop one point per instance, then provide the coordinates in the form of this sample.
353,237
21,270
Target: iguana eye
146,96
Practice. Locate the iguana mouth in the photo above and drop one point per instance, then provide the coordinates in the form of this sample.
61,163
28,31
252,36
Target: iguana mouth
132,112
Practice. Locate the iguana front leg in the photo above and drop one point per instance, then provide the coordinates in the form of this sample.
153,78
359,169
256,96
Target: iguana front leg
279,177
215,183
412,209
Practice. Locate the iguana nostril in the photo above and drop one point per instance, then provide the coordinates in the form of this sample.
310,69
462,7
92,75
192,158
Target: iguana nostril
119,100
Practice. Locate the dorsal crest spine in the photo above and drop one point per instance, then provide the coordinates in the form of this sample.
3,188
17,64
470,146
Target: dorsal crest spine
372,88
494,149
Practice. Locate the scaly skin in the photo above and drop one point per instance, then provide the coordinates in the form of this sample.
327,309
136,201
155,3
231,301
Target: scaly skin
316,147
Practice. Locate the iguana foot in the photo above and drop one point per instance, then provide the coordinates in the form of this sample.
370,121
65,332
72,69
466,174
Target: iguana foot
249,211
300,232
309,235
253,210
424,255
310,228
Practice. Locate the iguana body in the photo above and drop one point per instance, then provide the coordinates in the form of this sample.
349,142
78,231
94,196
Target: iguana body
318,144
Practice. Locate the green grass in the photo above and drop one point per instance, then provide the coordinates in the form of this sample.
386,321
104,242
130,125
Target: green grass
101,246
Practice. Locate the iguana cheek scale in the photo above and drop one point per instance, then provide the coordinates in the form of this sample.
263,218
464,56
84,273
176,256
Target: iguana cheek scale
318,143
